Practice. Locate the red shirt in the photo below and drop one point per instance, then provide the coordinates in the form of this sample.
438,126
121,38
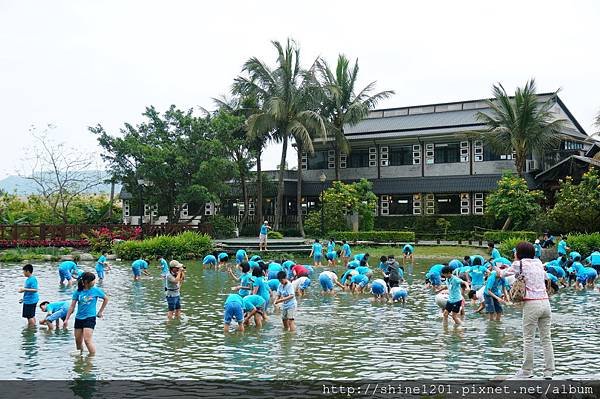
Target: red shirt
300,270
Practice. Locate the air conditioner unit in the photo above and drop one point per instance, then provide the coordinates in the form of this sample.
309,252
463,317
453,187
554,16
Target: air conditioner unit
531,165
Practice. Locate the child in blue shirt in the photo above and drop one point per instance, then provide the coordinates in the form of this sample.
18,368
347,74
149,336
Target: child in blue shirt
346,253
55,312
66,270
562,247
494,253
286,295
331,245
538,249
209,260
455,298
30,295
138,267
234,309
223,259
101,266
86,297
408,253
316,252
163,265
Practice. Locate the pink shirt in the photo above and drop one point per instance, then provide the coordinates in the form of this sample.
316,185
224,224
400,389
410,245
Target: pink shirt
535,278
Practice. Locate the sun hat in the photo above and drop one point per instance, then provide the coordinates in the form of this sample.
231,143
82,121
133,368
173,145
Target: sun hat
266,222
537,241
175,264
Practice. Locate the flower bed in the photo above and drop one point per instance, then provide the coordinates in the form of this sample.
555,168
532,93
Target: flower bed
43,243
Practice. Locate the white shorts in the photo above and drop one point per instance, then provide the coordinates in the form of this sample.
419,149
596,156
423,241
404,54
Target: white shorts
262,238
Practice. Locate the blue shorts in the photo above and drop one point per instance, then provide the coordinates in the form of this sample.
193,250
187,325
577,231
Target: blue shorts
378,289
233,310
100,273
136,271
435,279
60,314
64,275
273,274
174,303
306,284
400,294
491,304
326,283
317,258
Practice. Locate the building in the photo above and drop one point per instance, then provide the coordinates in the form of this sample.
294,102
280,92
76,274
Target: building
421,161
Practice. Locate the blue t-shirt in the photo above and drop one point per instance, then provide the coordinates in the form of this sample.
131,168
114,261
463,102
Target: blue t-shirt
346,250
100,262
273,284
477,277
556,270
331,246
86,302
551,277
284,291
538,250
31,297
68,266
54,307
240,255
594,258
481,258
317,249
331,255
209,260
165,267
263,288
359,278
574,255
274,267
231,298
436,269
562,247
363,270
455,264
454,291
253,301
263,229
246,280
139,264
288,264
222,256
493,284
495,253
359,257
348,274
353,264
408,249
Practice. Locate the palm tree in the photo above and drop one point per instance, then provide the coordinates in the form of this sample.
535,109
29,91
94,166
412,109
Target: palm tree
285,113
341,106
520,124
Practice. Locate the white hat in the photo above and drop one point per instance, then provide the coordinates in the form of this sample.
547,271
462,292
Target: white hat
266,222
175,264
537,241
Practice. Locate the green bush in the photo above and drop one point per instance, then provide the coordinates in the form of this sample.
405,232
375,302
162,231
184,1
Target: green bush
289,232
500,236
30,254
223,227
276,235
187,245
584,243
461,227
377,236
506,247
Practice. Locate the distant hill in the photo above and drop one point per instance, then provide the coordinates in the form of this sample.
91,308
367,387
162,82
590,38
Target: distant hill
22,186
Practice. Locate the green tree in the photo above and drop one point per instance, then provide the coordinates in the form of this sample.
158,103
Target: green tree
513,201
577,206
177,152
341,105
285,113
341,200
521,124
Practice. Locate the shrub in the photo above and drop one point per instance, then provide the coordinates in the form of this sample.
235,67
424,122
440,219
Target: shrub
187,245
276,235
223,227
289,232
462,227
500,236
584,243
377,236
506,247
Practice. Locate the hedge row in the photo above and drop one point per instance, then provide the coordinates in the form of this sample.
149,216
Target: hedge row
426,227
584,243
500,236
187,245
377,236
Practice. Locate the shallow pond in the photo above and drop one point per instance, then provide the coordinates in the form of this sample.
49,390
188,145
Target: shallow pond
346,336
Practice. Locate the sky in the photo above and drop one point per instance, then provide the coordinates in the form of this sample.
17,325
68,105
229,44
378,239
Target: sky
74,64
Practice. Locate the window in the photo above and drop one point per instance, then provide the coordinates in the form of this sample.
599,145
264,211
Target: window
448,204
491,155
447,153
318,161
400,155
400,205
358,158
571,145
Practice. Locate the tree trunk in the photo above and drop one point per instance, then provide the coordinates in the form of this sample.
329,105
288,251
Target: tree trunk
299,191
244,196
259,192
507,223
520,164
280,187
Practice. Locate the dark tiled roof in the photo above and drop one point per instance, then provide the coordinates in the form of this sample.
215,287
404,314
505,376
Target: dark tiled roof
566,167
412,185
